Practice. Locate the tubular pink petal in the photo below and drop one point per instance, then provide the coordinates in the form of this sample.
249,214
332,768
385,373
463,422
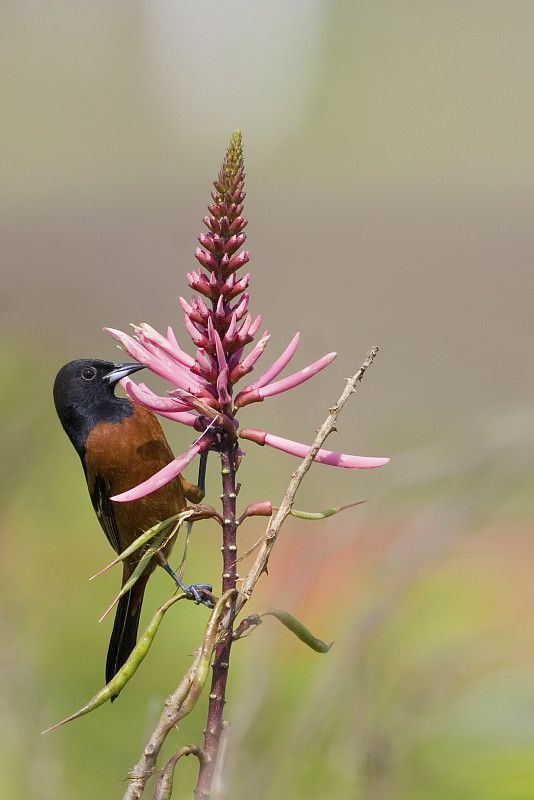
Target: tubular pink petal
132,390
230,333
184,417
199,340
231,288
297,377
302,450
205,365
152,401
192,311
176,351
213,224
248,395
132,346
219,350
212,242
239,370
234,243
249,361
169,345
218,244
276,368
252,331
242,333
222,387
238,261
241,307
164,476
174,372
199,283
202,358
205,259
202,308
219,311
253,435
237,225
211,330
243,282
185,305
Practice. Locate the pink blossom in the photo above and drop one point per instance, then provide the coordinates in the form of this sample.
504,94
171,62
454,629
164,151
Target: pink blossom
221,327
165,475
302,450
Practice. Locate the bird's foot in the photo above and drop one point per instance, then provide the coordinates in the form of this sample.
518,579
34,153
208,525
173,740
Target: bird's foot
200,593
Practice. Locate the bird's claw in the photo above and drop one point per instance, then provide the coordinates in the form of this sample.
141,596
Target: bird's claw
197,591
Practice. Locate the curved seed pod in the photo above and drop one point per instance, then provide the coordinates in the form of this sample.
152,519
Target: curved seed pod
208,646
300,631
322,514
138,571
122,677
163,526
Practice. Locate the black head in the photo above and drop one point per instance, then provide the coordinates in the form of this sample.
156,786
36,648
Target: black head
84,395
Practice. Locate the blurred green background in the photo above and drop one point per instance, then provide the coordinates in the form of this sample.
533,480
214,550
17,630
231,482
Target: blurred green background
390,164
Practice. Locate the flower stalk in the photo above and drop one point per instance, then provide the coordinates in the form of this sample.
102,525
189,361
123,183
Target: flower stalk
221,328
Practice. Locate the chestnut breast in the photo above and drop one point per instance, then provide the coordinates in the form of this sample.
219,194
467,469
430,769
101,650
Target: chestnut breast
127,454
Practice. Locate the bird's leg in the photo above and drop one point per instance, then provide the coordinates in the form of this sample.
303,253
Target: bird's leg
193,493
201,482
194,591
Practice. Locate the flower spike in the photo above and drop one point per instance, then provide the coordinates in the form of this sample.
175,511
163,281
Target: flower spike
220,332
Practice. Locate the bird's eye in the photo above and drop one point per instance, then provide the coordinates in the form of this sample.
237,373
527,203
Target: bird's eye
88,373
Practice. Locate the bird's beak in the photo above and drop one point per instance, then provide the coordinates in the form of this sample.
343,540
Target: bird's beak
121,371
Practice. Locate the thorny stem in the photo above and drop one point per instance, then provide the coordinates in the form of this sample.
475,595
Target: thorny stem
179,704
164,784
214,727
147,764
214,723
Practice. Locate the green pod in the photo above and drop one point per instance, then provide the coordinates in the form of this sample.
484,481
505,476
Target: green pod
204,662
160,530
297,628
122,677
322,514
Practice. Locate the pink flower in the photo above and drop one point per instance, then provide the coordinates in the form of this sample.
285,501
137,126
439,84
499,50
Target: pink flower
220,326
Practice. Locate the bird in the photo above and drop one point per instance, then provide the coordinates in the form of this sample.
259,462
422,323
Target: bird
121,444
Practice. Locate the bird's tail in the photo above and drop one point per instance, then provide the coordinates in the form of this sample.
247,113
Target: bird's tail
124,634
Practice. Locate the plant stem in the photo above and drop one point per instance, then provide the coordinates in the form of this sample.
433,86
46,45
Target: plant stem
214,723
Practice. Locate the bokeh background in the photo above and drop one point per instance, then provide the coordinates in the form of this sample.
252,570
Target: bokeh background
390,172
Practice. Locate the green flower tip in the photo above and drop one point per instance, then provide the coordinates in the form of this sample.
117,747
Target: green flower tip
233,162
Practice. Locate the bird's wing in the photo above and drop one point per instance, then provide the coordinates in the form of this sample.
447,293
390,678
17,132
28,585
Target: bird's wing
104,511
